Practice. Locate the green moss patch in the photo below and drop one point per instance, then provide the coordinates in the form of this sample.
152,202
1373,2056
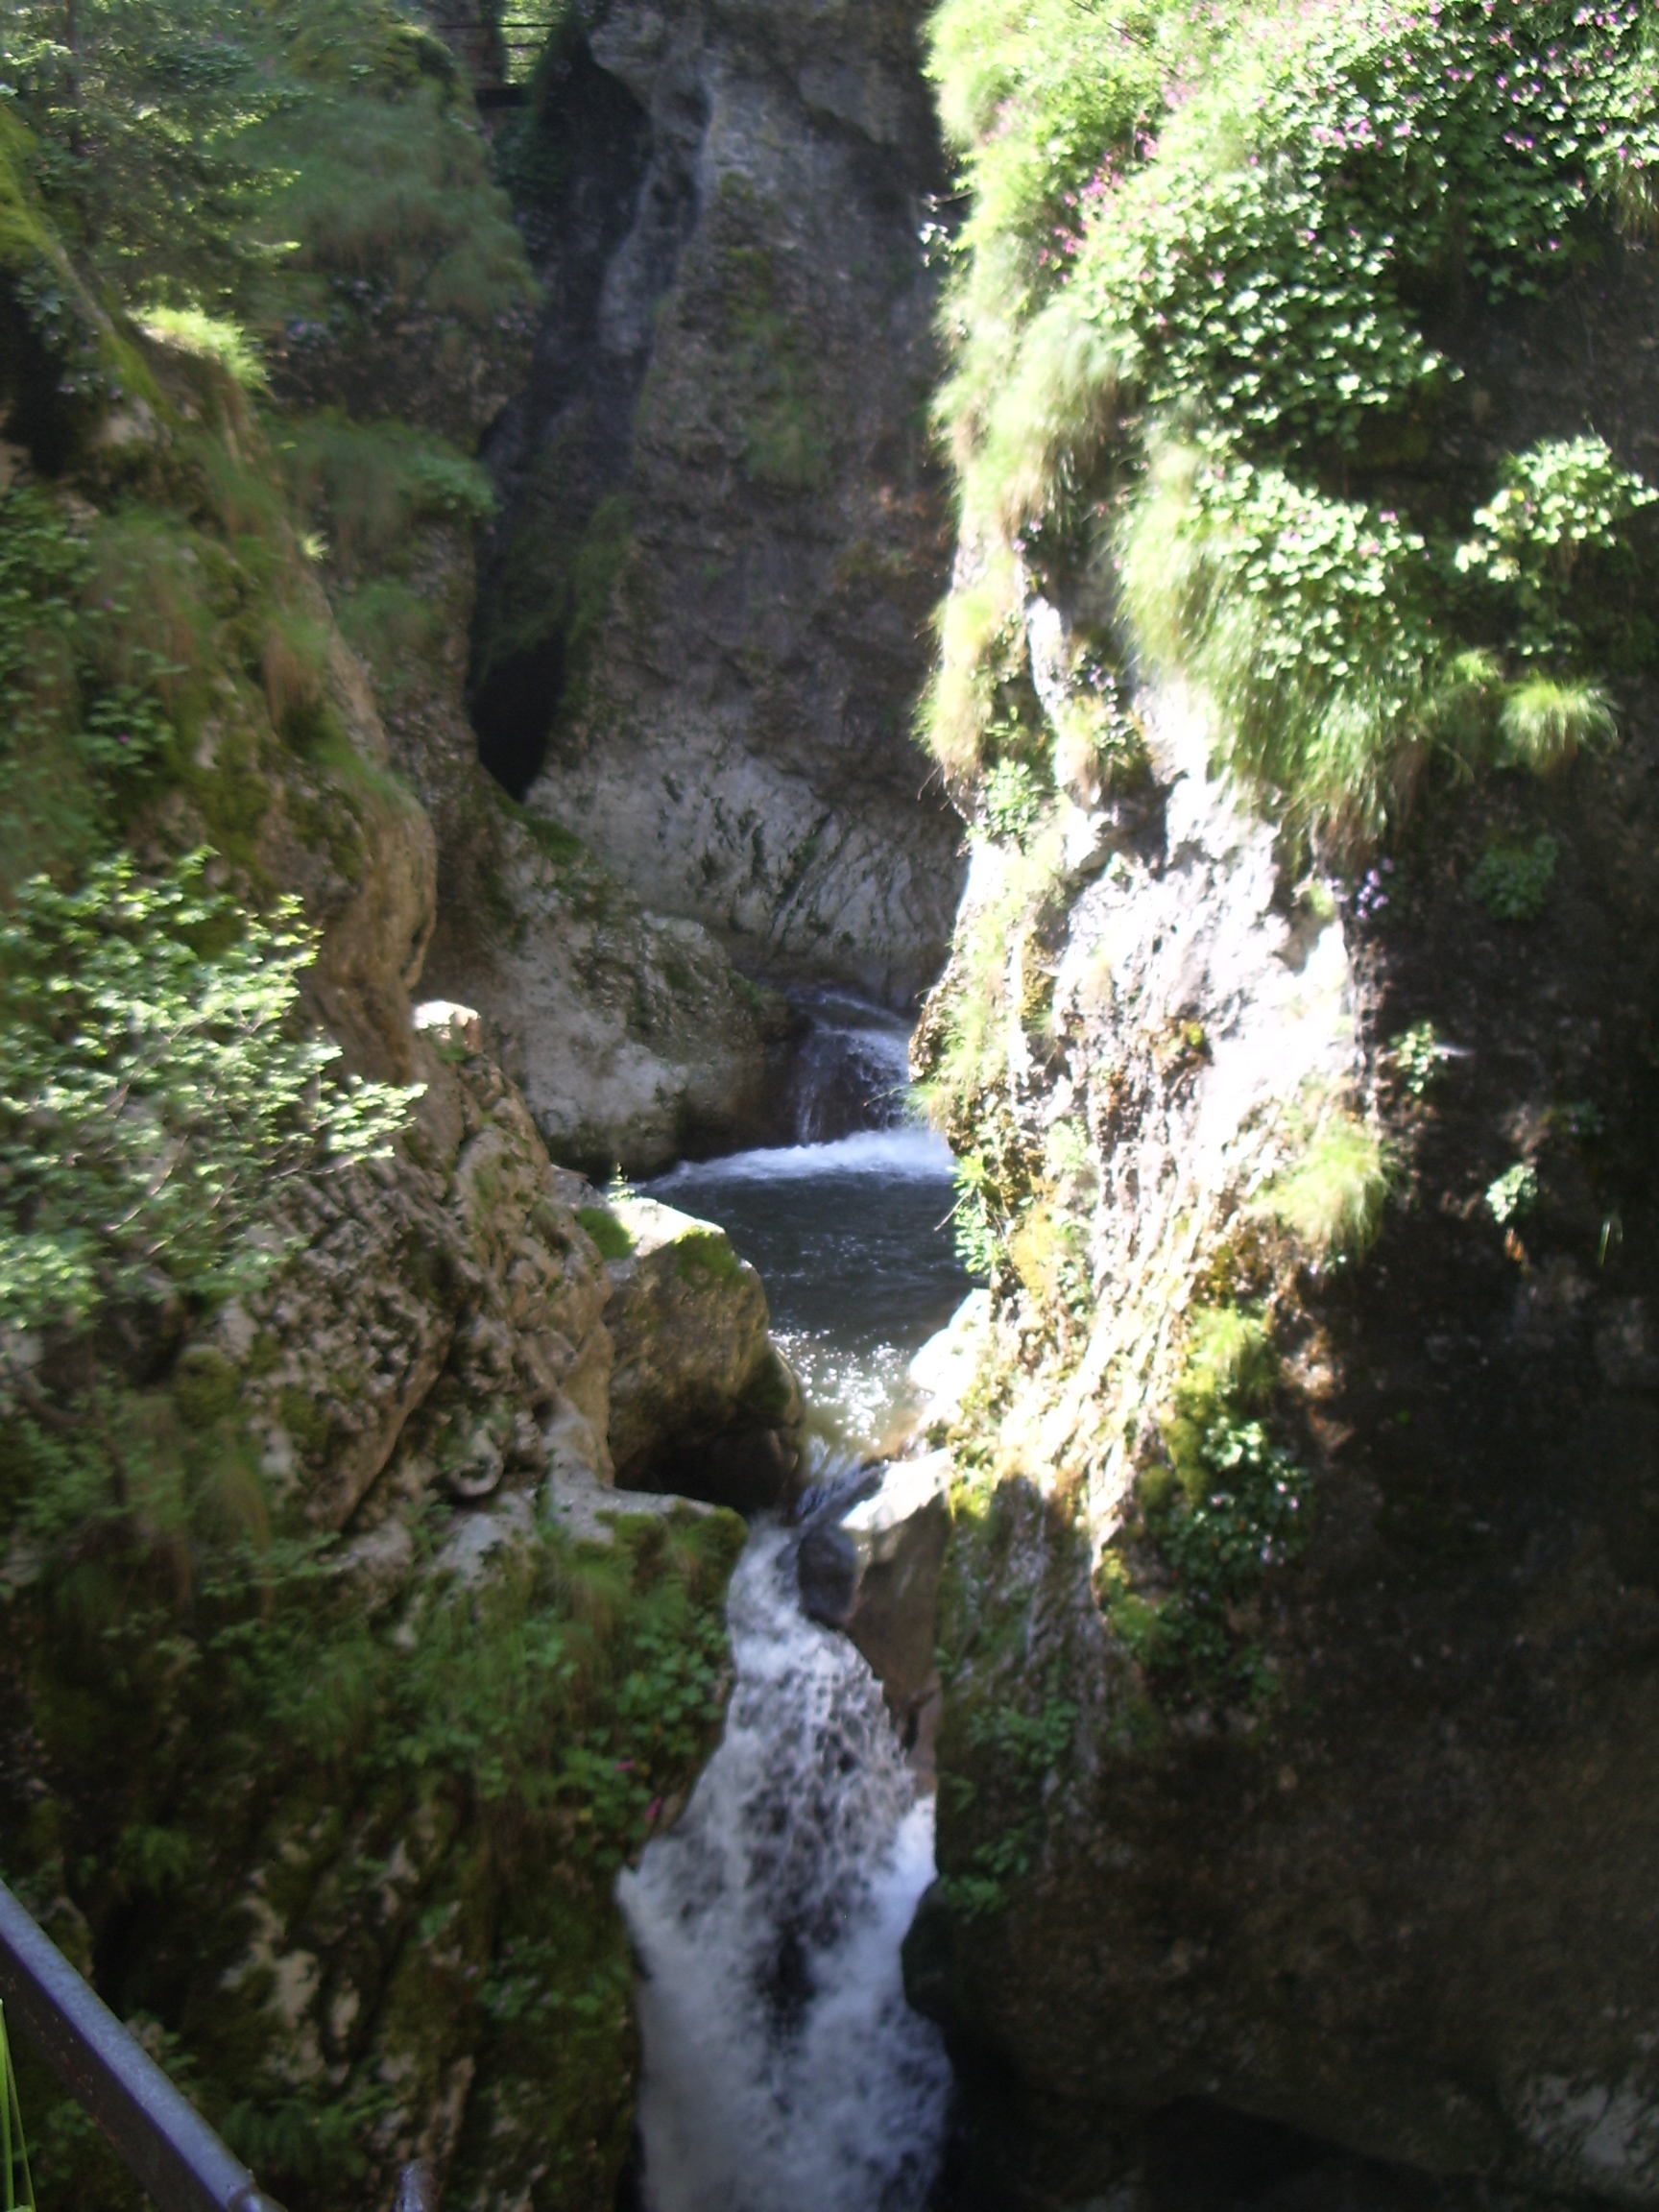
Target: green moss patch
705,1255
613,1237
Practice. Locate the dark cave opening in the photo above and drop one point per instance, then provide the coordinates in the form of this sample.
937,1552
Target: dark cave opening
513,710
604,201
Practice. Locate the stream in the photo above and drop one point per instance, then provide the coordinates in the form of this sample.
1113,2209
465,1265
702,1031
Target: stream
784,2071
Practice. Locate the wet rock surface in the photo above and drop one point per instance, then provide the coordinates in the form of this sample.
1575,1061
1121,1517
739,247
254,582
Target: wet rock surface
870,1568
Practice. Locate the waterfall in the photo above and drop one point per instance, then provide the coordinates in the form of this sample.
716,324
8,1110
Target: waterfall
853,1071
784,2070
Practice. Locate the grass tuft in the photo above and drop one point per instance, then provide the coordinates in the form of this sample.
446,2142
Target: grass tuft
1332,1201
215,338
1229,1369
1545,725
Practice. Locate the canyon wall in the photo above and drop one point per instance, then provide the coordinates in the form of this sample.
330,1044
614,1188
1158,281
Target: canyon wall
704,615
1298,1625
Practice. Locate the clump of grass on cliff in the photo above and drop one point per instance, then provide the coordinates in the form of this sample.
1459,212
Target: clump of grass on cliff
1330,1197
1203,234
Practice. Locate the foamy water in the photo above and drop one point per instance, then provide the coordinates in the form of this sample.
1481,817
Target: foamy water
784,2070
911,1153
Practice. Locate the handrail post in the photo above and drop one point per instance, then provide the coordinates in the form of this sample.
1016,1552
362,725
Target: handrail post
157,2132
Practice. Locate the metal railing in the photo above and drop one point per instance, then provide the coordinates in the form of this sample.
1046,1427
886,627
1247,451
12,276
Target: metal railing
165,2143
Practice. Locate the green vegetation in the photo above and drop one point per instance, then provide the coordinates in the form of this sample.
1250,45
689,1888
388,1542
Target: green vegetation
1229,1369
14,2144
1545,725
1559,505
613,1237
1415,1055
259,295
305,169
1205,239
214,338
153,1087
239,1702
1331,1198
1514,1195
1309,617
1012,801
1000,983
1225,1509
706,1255
366,485
1016,1754
1513,881
774,387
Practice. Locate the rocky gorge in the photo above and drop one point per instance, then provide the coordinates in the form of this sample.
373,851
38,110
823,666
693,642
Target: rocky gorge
507,485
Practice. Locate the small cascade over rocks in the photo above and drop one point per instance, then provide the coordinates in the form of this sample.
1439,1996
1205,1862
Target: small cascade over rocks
852,1073
784,2069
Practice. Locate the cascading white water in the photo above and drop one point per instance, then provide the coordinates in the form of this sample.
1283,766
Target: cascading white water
852,1073
784,2070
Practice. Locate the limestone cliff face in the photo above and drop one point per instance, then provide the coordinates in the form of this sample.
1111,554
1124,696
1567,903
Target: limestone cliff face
631,1033
634,1037
704,616
1334,1883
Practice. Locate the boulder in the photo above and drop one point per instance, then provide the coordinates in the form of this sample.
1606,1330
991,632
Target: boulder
870,1568
702,1402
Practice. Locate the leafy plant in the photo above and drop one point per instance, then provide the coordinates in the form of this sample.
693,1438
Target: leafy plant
1218,1549
1514,1193
1216,226
978,1244
177,145
1557,502
1415,1054
82,710
1229,1369
1229,1506
1012,802
154,1082
1017,1754
1307,617
1513,881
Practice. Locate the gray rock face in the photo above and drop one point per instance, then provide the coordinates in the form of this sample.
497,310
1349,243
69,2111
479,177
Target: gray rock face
873,1570
630,1033
722,538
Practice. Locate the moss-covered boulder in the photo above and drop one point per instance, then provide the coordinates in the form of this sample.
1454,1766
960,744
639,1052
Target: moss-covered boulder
701,1399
